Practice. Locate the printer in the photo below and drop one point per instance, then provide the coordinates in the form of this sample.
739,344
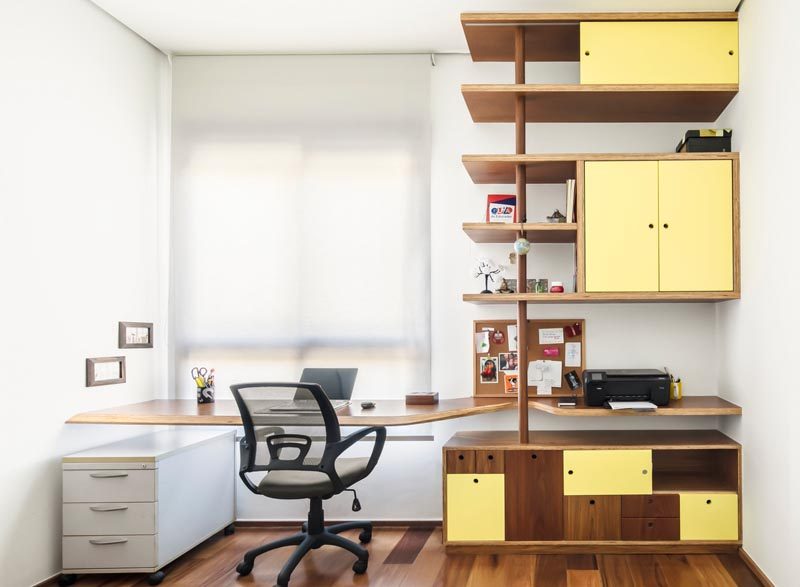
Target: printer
647,385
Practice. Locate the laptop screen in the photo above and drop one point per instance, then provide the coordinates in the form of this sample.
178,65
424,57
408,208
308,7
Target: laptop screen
336,383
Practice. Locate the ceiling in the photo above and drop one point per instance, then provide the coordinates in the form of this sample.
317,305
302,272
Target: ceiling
220,27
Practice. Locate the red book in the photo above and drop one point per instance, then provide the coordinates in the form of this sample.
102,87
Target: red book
501,208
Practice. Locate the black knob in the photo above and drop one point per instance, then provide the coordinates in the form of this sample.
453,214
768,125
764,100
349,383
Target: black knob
730,52
460,457
666,225
650,225
491,457
533,456
649,524
569,472
591,502
708,501
586,53
474,480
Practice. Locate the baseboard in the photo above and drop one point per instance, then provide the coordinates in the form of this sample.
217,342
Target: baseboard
49,581
751,564
375,523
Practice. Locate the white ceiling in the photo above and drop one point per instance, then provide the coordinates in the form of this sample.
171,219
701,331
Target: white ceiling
221,27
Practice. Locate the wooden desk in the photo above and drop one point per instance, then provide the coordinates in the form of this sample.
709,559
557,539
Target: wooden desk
225,413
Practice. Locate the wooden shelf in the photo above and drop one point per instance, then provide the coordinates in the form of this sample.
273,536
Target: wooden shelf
550,36
621,297
599,103
535,232
697,405
559,167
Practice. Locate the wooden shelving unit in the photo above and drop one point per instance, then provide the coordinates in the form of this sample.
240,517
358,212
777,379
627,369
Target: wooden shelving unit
598,103
601,297
535,232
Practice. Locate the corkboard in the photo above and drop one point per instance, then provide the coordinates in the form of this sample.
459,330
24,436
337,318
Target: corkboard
535,352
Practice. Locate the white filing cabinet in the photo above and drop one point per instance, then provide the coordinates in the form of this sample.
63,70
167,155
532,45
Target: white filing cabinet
138,504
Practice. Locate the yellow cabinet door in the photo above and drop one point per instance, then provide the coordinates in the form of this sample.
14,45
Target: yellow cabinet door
709,516
476,507
608,472
620,218
660,52
695,212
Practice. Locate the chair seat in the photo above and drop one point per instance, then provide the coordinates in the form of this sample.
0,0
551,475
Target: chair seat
307,484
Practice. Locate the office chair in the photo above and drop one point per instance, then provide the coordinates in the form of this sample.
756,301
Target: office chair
302,477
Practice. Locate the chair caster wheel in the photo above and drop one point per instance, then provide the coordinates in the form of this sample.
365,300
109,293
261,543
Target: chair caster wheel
229,529
244,568
365,536
155,578
360,567
65,580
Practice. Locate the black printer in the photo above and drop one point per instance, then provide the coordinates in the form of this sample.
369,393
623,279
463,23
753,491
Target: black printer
647,385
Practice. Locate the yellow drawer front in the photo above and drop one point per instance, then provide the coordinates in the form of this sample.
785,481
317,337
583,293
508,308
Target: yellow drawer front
608,472
695,213
621,217
476,507
709,516
660,52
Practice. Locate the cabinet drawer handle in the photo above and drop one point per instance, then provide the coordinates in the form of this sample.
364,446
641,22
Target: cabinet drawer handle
108,541
107,475
666,225
569,472
474,480
650,225
108,508
644,471
708,502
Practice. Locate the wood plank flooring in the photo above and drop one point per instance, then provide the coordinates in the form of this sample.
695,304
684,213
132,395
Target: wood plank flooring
415,557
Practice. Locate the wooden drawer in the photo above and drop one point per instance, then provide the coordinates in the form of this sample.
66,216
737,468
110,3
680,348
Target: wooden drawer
475,507
534,495
592,517
109,552
460,461
709,516
651,506
109,518
489,461
110,486
693,52
651,528
608,472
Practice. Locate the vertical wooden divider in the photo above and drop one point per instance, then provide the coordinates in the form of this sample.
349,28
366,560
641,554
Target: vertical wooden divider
522,268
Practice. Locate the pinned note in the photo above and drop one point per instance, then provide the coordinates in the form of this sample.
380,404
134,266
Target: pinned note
482,342
572,354
551,336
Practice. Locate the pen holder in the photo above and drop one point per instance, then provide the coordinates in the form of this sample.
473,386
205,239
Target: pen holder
205,395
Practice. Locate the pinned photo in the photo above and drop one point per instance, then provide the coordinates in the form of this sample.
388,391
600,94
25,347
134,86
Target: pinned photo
510,383
508,361
488,370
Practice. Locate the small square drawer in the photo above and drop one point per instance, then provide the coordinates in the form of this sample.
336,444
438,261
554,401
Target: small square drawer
709,516
460,461
651,506
109,485
651,528
82,519
109,552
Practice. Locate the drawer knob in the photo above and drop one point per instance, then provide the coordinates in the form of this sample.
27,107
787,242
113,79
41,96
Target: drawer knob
591,502
730,52
644,471
708,501
474,480
533,456
650,225
491,457
569,472
666,225
649,524
587,53
460,457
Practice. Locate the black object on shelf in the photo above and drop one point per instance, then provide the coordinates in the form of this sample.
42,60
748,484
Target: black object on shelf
706,140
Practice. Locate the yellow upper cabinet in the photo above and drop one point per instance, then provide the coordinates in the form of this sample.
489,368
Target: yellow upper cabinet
608,472
691,52
695,211
621,214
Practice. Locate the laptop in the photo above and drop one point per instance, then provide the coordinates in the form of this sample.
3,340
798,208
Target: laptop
336,383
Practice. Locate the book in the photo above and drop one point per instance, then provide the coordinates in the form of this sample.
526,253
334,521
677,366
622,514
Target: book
571,200
501,208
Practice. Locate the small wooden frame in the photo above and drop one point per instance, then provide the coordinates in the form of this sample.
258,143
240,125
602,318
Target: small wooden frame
535,351
95,373
129,335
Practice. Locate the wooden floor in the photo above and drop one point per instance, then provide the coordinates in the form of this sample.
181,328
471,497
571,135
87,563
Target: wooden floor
415,557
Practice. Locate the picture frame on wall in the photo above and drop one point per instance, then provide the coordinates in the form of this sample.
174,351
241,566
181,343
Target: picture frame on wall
105,371
135,335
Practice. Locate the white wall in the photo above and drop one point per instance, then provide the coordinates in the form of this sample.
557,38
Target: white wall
79,117
756,337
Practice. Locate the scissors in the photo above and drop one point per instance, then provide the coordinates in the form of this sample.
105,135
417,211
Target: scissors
199,376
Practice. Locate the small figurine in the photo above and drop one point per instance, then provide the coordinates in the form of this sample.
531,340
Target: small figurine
556,217
504,287
487,269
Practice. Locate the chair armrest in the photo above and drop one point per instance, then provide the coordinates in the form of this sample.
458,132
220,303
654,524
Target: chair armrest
334,450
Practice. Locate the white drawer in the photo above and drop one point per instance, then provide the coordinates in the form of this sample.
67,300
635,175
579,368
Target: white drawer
82,519
109,552
113,485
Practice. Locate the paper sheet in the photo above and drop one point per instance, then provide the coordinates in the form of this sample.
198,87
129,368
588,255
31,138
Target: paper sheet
482,342
572,354
551,336
632,405
544,373
512,337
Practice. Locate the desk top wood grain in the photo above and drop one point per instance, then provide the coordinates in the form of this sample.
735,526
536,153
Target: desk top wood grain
225,412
